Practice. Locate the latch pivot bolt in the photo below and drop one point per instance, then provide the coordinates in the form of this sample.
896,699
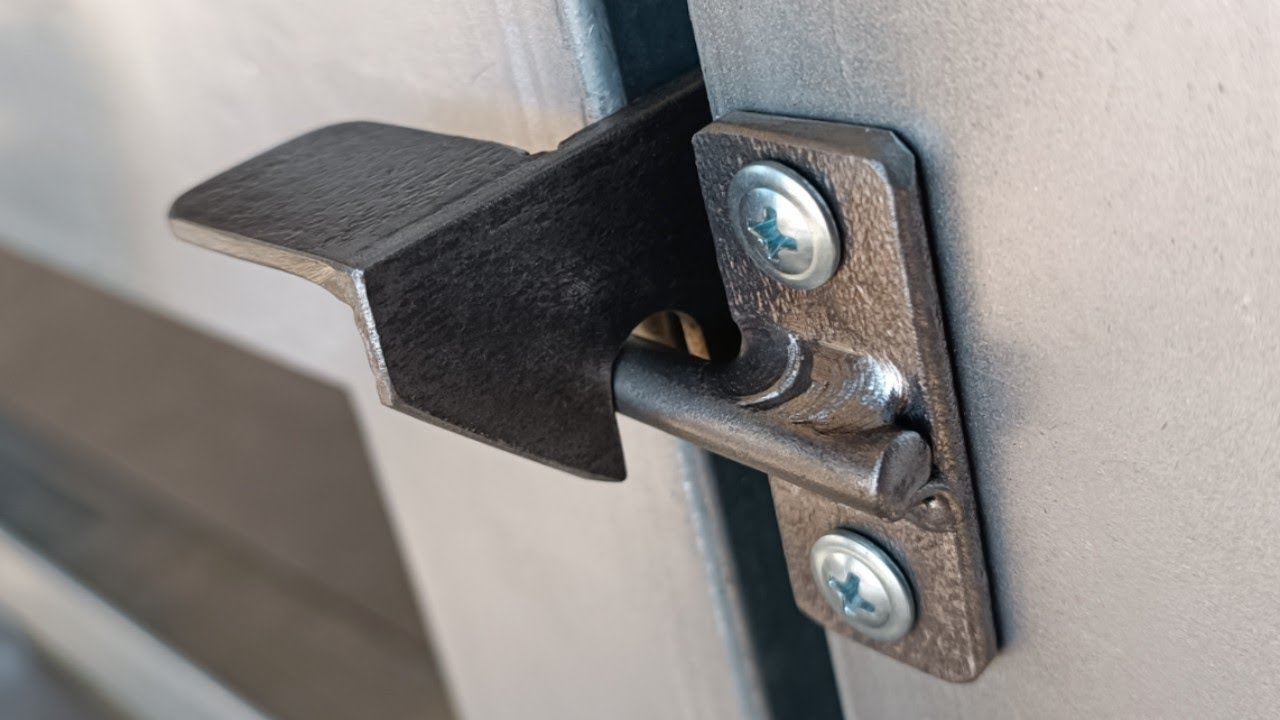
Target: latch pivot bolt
863,585
784,225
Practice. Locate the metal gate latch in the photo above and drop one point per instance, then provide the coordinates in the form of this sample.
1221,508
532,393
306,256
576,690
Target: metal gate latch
497,292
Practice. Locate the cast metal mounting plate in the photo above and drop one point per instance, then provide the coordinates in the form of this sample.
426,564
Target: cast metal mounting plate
882,303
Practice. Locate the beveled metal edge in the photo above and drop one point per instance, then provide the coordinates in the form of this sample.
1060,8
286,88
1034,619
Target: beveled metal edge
344,283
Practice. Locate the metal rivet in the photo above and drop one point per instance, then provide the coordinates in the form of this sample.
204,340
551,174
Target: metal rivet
863,585
784,225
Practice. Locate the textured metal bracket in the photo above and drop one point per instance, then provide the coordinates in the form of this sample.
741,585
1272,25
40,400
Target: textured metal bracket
879,314
494,291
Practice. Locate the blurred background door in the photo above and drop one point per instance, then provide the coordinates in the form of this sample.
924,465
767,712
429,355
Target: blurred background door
543,595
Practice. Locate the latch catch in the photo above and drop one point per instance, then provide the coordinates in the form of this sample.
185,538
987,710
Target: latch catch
496,290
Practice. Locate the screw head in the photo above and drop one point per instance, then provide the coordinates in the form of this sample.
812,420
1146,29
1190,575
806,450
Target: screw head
784,225
863,585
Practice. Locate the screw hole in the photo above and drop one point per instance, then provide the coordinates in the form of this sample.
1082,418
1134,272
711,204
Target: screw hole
934,512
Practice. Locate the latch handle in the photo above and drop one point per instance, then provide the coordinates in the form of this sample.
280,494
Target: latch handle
493,288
